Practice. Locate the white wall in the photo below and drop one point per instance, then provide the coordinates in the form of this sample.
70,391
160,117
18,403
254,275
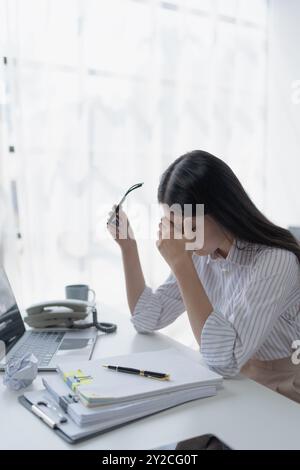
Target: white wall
283,140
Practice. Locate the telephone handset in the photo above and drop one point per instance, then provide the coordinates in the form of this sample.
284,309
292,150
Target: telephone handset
64,314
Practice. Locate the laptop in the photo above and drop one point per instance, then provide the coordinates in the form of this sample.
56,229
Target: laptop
50,346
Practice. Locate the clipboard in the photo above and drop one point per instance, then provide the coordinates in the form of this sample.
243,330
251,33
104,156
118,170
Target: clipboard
70,432
60,429
28,405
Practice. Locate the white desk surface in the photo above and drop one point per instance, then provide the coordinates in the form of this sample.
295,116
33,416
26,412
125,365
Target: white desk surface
244,414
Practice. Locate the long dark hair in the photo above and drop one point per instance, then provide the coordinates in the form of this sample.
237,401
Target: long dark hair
198,177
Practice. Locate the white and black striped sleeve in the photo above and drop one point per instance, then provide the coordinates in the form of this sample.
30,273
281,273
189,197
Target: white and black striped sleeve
228,343
157,309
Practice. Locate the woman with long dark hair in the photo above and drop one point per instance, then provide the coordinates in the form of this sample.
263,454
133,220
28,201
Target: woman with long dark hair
241,289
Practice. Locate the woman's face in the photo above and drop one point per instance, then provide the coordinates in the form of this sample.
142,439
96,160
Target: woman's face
214,235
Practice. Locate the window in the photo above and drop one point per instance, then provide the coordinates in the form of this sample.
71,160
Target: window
96,95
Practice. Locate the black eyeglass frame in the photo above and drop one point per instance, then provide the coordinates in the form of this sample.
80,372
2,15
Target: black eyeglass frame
116,214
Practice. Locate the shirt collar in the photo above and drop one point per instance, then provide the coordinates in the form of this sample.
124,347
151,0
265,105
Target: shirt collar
241,252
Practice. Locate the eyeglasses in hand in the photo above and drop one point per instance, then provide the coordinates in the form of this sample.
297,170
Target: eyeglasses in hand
116,214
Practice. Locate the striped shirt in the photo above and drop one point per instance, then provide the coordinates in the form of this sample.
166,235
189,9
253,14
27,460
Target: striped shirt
255,294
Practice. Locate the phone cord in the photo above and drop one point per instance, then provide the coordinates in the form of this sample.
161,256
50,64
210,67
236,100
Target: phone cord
102,326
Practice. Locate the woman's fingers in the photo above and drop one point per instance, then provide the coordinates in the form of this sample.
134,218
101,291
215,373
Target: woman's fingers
118,225
113,210
114,216
166,228
113,231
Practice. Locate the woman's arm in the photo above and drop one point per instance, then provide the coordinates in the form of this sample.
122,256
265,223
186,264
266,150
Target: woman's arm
134,277
196,301
180,261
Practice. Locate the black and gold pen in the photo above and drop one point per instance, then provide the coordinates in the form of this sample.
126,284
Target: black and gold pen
144,373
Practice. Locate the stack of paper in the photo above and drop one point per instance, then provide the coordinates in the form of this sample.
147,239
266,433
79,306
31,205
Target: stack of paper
109,398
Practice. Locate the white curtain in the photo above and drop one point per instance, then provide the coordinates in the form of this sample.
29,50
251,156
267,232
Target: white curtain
96,95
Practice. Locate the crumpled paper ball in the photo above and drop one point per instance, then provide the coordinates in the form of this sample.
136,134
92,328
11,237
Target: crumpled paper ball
19,373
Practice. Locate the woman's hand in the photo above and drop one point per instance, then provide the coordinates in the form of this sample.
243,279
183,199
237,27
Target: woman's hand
122,233
172,249
120,228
